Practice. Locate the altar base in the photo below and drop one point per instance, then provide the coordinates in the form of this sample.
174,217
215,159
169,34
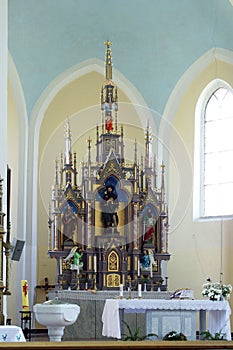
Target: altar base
89,323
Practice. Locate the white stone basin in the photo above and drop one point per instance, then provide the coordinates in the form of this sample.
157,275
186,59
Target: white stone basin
55,315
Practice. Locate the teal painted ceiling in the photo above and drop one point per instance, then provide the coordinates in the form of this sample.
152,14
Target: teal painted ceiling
154,41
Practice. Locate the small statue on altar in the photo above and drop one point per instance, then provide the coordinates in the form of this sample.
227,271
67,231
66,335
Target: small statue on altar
76,256
109,207
148,261
145,260
109,124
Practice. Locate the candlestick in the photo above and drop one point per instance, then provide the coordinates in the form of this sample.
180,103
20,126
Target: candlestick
121,291
138,267
95,282
129,293
95,263
60,265
139,291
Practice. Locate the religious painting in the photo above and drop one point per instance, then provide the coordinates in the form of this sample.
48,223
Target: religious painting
149,220
69,220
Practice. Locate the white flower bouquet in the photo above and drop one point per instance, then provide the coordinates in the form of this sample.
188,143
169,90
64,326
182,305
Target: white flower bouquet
216,291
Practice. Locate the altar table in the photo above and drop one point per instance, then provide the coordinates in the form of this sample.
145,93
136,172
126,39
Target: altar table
219,313
89,325
11,334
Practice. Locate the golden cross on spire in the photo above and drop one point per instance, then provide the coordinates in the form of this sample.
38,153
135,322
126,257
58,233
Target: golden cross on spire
89,140
108,43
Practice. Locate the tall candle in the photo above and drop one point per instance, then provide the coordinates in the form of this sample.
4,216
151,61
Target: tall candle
121,290
24,289
95,263
138,267
139,290
151,271
60,265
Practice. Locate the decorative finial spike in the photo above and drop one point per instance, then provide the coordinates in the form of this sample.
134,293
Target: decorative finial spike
108,64
108,43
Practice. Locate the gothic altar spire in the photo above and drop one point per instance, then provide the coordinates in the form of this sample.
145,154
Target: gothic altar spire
148,139
68,155
109,98
108,63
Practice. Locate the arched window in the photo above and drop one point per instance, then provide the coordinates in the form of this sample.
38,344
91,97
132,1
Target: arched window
213,173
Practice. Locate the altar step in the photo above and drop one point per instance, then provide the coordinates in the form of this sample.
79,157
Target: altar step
121,345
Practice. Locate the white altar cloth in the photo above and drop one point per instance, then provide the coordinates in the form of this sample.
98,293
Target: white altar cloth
11,334
219,313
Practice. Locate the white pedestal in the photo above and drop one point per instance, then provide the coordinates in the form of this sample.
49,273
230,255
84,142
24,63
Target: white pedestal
55,333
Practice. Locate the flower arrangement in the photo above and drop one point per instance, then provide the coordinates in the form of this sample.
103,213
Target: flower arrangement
216,291
173,335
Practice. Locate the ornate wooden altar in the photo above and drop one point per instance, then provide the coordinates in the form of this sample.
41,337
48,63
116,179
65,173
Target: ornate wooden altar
112,228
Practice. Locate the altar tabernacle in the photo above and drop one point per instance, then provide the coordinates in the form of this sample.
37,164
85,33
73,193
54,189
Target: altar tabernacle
112,228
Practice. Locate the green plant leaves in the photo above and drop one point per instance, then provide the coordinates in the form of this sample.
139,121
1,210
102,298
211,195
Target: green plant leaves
135,336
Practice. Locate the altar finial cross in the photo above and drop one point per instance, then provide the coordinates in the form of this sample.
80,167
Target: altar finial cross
108,43
89,142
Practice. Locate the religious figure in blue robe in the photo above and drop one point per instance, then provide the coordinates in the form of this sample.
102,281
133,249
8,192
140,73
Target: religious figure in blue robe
145,260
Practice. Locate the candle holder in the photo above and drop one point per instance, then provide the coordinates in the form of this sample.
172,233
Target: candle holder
26,323
60,282
121,291
78,283
94,279
129,293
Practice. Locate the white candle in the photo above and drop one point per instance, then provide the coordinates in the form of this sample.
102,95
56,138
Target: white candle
139,290
138,267
95,263
60,265
151,271
121,290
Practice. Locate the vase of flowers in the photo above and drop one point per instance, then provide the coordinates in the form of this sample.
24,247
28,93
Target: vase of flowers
216,291
173,335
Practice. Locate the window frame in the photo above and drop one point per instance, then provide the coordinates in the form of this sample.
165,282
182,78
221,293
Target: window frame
199,147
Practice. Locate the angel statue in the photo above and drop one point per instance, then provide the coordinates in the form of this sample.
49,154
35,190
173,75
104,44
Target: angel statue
76,256
153,262
148,261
